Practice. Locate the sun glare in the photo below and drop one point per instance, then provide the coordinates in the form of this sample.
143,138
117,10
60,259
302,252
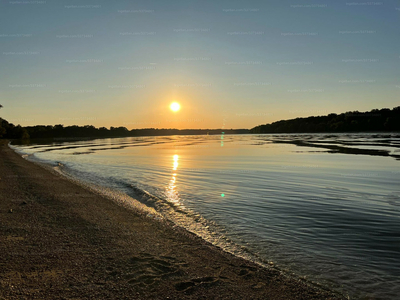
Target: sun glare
175,106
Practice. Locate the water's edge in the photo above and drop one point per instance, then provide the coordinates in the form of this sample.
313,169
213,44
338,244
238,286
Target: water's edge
138,207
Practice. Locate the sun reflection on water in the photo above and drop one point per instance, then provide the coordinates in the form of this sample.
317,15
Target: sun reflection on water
176,157
172,192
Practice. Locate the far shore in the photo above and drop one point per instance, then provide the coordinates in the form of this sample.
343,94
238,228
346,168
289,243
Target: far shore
61,241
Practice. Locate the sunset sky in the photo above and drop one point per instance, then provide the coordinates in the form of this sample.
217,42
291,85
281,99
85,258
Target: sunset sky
229,64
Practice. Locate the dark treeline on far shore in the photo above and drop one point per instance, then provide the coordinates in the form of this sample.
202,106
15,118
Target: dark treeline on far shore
9,131
374,120
59,131
353,121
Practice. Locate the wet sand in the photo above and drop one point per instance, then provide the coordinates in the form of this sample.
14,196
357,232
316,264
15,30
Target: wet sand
61,241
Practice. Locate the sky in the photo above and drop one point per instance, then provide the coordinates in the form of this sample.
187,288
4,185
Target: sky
230,64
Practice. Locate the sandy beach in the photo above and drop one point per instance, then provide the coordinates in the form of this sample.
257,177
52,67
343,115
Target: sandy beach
61,241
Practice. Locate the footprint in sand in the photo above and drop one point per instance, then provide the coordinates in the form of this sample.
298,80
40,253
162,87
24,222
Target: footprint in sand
189,286
149,269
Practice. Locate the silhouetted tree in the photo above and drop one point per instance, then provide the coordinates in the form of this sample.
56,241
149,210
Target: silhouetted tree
351,121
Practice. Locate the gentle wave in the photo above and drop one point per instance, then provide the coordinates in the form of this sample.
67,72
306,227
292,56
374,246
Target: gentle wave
330,215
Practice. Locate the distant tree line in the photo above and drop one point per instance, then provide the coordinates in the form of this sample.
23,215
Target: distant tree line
10,131
59,131
374,120
352,121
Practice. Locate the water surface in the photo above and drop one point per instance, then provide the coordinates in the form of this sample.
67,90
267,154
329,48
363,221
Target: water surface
324,207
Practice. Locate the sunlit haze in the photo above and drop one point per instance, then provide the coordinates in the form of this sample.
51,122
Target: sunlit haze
232,64
175,106
244,149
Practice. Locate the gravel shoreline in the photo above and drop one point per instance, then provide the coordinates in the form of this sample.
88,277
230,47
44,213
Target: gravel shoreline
61,241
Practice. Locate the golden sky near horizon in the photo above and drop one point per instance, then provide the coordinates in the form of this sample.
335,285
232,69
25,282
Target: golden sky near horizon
115,65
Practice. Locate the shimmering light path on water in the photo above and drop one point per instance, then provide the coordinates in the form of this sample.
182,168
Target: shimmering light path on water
326,207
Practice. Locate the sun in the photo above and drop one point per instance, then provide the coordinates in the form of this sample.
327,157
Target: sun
175,106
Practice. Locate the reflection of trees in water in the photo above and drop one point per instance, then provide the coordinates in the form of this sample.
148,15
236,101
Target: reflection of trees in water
340,146
59,131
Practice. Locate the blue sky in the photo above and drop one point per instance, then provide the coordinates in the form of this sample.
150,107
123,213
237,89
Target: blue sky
232,64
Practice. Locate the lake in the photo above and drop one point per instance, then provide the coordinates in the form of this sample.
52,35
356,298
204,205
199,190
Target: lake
325,207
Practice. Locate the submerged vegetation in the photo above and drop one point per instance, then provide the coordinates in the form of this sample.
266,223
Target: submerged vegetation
353,121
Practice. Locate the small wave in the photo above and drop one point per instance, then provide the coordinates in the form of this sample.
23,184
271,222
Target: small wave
79,153
145,203
138,198
114,195
194,223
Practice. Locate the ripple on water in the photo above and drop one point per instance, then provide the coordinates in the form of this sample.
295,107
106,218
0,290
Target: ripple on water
331,217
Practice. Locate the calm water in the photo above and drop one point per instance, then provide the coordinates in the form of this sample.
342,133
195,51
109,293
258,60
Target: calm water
324,207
